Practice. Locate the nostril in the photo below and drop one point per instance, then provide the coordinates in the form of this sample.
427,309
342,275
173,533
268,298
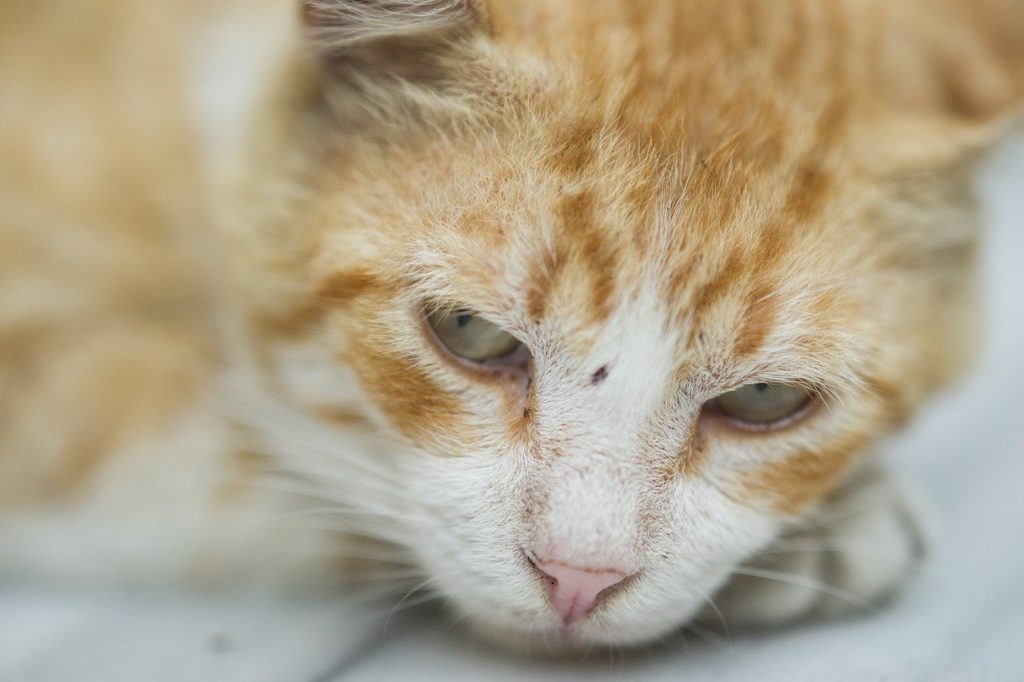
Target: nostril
575,591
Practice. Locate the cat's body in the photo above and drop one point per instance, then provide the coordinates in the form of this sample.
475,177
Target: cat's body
663,201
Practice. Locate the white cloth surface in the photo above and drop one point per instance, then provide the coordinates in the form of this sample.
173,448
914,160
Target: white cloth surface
963,619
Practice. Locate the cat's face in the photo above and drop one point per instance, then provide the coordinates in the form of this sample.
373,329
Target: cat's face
618,335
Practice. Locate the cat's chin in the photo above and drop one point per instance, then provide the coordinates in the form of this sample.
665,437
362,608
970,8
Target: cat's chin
560,642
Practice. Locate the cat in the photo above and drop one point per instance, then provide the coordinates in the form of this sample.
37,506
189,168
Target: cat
590,316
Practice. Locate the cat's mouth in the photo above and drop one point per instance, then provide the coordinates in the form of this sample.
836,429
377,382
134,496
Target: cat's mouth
626,615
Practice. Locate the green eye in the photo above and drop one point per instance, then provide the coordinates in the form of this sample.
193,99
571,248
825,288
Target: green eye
763,405
472,337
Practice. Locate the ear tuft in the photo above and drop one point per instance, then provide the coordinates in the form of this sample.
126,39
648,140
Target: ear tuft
337,26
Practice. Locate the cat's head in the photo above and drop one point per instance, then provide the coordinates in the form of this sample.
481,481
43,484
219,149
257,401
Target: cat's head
611,291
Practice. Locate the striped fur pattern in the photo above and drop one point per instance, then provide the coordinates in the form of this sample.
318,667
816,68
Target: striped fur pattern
664,200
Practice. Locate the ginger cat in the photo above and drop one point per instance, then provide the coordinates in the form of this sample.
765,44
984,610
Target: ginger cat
586,313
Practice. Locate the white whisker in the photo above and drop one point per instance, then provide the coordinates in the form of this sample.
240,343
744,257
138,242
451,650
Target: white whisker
803,581
714,607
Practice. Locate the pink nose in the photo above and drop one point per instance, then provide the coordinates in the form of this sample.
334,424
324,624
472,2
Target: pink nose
576,591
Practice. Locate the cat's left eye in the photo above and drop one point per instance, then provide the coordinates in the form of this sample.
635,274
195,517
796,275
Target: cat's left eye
763,406
472,337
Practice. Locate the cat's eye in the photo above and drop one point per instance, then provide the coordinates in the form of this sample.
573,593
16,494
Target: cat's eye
471,337
763,406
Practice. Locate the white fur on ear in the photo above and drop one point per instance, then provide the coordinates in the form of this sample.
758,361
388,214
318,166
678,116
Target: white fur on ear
340,25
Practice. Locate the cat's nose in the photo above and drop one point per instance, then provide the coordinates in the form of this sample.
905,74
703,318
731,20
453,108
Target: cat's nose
576,591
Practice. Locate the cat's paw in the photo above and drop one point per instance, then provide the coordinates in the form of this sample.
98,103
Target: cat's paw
855,553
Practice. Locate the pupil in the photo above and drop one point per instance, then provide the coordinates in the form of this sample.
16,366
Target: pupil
761,388
463,320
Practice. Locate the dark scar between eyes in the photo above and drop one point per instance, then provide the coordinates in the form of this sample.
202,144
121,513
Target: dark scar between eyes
600,375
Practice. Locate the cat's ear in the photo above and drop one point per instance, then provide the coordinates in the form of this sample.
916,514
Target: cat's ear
367,41
951,77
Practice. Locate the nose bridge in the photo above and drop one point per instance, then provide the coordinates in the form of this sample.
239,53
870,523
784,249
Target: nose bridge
611,396
590,511
596,440
590,419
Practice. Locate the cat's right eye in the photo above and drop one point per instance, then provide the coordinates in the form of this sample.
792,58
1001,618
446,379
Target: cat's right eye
471,337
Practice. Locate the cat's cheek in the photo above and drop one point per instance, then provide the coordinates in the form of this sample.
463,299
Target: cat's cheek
470,531
438,409
787,472
794,483
408,395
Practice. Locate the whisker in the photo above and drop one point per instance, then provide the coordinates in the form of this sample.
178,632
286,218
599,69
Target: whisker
293,428
397,607
366,598
344,473
803,581
331,506
707,636
375,576
347,512
672,642
714,607
841,512
380,534
816,546
454,622
319,483
395,559
427,597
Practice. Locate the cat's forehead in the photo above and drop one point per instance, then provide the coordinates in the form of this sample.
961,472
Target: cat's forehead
588,229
